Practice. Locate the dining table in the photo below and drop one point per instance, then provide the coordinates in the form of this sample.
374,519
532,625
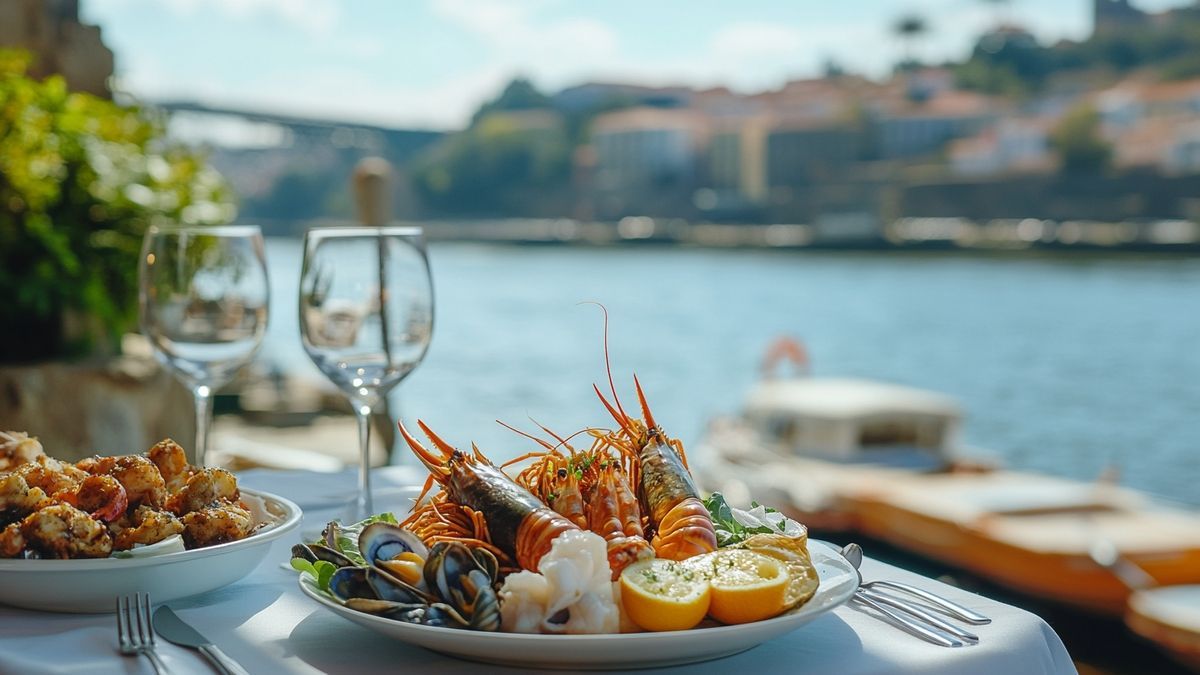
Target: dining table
269,626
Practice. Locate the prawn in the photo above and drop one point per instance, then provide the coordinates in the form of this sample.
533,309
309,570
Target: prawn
590,489
657,465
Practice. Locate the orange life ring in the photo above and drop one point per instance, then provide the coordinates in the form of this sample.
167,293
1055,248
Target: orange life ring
785,348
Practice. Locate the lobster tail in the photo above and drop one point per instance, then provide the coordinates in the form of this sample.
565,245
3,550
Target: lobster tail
685,531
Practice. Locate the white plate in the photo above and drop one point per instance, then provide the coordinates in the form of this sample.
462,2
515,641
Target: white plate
92,585
625,650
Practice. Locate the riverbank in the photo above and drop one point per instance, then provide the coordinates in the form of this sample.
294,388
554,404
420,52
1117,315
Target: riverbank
853,233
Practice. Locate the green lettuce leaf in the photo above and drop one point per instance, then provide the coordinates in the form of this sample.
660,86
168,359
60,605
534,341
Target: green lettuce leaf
733,526
347,539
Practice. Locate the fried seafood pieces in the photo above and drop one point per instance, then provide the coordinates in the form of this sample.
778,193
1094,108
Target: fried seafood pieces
52,509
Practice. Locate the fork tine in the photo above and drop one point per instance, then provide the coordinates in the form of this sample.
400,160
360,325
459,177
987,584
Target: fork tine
128,616
149,621
141,628
121,639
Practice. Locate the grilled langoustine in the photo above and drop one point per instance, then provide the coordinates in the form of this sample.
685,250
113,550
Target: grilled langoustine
517,523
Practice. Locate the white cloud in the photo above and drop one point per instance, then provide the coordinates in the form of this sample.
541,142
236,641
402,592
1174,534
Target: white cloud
522,39
755,40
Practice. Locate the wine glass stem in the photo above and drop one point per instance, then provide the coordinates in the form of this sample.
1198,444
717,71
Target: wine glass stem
203,398
363,413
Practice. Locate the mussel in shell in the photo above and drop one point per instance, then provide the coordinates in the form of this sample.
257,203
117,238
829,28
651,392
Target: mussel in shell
315,552
434,614
462,577
385,541
370,583
454,587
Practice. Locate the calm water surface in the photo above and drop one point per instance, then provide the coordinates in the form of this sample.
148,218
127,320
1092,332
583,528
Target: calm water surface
1065,366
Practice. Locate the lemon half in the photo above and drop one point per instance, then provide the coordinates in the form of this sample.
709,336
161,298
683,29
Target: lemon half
746,586
661,595
793,551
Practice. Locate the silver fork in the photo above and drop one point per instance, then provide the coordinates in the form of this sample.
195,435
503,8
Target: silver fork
854,553
906,616
135,631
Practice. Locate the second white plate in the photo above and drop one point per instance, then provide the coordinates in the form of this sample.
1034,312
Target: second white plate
92,585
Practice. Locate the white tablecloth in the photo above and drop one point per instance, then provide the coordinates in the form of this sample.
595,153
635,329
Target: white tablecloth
265,623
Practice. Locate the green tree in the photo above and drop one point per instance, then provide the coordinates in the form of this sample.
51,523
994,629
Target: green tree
520,94
494,167
1079,143
80,180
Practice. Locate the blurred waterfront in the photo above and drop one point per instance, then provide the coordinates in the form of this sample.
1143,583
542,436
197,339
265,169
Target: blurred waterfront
1068,366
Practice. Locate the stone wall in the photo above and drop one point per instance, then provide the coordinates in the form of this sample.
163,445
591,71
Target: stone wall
116,406
51,30
1131,195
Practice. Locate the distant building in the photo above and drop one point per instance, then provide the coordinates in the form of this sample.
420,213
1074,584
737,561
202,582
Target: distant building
1018,144
925,127
1183,153
1152,124
736,181
801,153
643,150
51,30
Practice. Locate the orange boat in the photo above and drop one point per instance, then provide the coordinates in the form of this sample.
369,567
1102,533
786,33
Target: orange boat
882,460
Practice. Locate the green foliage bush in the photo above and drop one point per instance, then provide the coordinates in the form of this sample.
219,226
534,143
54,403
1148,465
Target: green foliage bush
494,167
81,178
1079,143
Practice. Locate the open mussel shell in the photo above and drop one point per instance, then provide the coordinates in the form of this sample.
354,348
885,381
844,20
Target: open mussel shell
437,614
464,581
485,608
384,541
315,552
351,582
330,533
388,587
487,562
369,583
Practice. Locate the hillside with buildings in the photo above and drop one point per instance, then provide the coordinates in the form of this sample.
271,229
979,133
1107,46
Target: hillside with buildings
1105,129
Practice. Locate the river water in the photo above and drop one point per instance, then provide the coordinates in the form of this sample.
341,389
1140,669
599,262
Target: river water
1069,365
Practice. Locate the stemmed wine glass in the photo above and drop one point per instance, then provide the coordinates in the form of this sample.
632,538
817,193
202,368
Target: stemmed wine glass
203,297
366,316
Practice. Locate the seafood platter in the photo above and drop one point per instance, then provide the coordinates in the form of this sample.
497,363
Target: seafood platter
594,550
75,535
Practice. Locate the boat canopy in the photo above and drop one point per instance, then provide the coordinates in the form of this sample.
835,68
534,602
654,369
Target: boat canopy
843,417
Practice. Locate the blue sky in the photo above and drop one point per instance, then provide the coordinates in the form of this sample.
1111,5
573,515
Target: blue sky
429,63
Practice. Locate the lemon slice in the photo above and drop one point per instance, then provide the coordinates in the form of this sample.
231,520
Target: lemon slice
793,551
746,586
660,595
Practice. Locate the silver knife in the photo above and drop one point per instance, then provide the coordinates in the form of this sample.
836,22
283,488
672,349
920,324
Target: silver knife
174,630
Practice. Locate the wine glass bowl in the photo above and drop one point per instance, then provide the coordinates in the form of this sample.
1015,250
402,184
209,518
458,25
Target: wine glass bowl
203,306
366,315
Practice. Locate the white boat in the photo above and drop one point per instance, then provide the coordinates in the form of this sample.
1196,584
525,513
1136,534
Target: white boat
883,460
805,442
